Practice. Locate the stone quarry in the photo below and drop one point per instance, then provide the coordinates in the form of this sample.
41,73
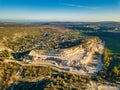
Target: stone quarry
82,59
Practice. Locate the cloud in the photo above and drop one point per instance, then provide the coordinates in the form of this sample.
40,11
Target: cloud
78,6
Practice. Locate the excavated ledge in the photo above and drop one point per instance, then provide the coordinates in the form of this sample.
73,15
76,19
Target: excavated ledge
82,59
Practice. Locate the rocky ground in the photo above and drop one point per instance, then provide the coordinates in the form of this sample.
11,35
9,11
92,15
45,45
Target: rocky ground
79,59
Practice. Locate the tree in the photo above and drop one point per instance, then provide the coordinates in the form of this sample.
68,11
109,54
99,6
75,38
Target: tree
115,70
4,53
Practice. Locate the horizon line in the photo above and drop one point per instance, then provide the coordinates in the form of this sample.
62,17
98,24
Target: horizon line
28,20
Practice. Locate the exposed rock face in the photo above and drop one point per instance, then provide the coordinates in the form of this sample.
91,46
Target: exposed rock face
33,53
82,59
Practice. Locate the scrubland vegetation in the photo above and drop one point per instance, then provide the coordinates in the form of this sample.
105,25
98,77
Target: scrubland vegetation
4,53
40,78
111,69
21,39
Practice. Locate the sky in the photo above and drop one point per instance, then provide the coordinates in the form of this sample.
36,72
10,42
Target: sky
60,10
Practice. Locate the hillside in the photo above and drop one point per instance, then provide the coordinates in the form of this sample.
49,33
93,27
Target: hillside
44,57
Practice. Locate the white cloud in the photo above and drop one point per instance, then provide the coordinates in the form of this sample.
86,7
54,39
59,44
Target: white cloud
78,6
